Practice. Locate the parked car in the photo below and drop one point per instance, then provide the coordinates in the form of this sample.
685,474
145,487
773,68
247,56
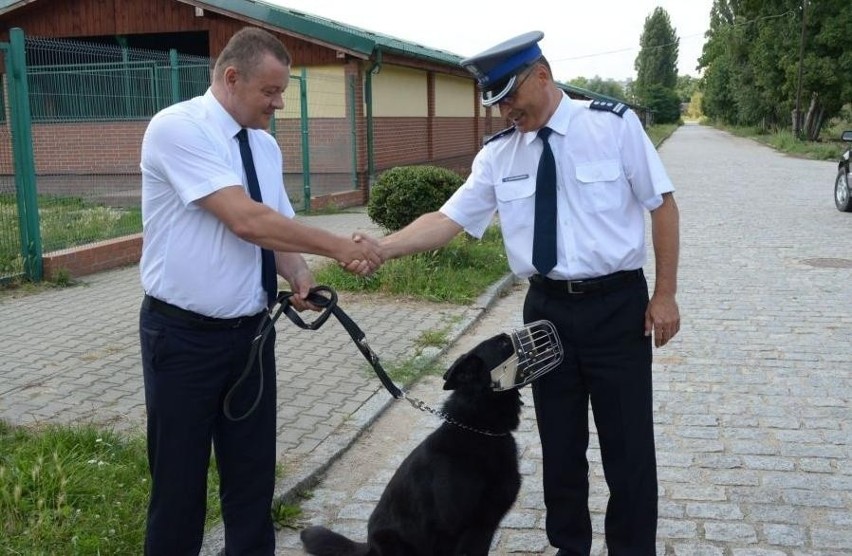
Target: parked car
842,186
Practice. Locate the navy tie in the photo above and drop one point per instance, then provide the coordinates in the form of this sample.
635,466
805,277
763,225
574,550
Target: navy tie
268,274
544,231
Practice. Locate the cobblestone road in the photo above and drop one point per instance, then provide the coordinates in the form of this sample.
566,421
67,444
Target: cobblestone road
752,399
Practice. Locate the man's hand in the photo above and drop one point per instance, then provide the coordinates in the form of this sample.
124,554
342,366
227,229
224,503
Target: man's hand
365,255
293,268
662,317
301,284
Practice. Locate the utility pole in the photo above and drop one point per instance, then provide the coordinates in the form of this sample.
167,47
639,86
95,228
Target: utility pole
797,117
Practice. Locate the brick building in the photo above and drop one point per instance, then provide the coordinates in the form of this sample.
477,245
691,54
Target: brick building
374,101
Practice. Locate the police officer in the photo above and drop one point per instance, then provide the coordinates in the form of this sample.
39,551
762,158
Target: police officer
571,181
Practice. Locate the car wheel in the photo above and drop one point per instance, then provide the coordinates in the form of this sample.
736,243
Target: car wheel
842,194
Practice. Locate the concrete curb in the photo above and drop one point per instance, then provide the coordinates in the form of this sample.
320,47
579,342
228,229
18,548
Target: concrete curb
309,471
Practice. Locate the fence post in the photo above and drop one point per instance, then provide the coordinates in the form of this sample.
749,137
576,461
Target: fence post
306,146
353,130
22,154
125,72
175,75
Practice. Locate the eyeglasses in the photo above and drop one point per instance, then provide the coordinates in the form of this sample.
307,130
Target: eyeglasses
518,84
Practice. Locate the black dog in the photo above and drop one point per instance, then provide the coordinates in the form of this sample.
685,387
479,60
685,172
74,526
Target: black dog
448,496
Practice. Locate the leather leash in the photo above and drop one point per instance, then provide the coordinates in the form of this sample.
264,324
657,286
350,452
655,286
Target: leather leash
330,307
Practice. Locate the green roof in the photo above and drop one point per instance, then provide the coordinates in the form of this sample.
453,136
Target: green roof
328,31
333,33
312,28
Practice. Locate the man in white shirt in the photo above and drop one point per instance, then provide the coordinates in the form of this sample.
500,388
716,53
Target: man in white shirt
217,230
571,182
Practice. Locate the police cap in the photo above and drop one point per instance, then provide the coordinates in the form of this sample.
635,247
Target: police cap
497,69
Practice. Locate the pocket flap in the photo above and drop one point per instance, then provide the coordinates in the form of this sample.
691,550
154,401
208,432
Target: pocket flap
511,191
605,170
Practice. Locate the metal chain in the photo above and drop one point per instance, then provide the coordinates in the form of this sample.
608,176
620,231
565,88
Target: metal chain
423,406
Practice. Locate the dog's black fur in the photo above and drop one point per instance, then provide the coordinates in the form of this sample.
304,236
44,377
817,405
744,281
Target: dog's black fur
448,496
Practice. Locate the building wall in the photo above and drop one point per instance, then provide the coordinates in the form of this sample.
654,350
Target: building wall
453,97
399,93
423,112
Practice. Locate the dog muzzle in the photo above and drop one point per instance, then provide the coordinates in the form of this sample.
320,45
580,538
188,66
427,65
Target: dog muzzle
537,351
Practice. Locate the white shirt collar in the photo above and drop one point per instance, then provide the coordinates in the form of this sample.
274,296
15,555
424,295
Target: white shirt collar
558,122
219,115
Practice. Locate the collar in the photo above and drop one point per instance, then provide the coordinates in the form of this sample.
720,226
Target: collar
558,122
219,115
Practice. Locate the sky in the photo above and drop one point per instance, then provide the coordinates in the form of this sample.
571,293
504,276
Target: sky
581,39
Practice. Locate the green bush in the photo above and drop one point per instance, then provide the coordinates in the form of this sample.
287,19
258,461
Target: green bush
664,103
402,194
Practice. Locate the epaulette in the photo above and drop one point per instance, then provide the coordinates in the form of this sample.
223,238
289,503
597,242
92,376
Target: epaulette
618,108
499,134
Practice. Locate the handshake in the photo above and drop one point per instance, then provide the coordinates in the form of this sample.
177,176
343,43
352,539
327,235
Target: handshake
361,255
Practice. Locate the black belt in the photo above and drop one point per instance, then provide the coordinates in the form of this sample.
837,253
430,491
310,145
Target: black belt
600,284
195,319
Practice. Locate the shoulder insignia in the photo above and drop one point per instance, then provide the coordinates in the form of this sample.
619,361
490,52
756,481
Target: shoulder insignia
618,108
499,134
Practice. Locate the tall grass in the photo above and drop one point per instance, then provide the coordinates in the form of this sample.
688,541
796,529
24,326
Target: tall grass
63,222
75,490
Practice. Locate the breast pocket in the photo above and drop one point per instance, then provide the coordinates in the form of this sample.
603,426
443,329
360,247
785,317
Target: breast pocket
516,205
601,185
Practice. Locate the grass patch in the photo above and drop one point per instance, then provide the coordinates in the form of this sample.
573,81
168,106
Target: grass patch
63,222
20,286
406,372
432,338
76,490
829,148
457,273
287,515
661,132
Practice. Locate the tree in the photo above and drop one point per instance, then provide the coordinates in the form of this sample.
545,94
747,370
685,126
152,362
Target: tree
693,111
656,67
751,62
716,61
686,87
608,87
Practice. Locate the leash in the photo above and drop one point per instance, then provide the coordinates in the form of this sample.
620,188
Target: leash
329,307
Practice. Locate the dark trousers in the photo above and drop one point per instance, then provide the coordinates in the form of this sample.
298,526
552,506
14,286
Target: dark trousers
608,361
187,373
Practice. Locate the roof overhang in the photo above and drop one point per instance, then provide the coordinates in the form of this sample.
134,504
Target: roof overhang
7,6
281,20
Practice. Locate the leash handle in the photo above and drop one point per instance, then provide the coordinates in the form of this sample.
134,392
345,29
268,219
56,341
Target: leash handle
328,303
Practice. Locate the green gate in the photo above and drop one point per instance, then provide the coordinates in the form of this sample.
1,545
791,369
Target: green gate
20,239
72,115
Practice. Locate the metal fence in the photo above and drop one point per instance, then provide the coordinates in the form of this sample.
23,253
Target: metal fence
81,126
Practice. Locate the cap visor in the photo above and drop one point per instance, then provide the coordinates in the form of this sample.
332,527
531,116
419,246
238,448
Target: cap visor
493,95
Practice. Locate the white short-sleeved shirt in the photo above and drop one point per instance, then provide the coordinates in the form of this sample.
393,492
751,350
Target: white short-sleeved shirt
608,175
189,257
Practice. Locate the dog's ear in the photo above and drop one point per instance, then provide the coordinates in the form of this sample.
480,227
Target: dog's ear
465,370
